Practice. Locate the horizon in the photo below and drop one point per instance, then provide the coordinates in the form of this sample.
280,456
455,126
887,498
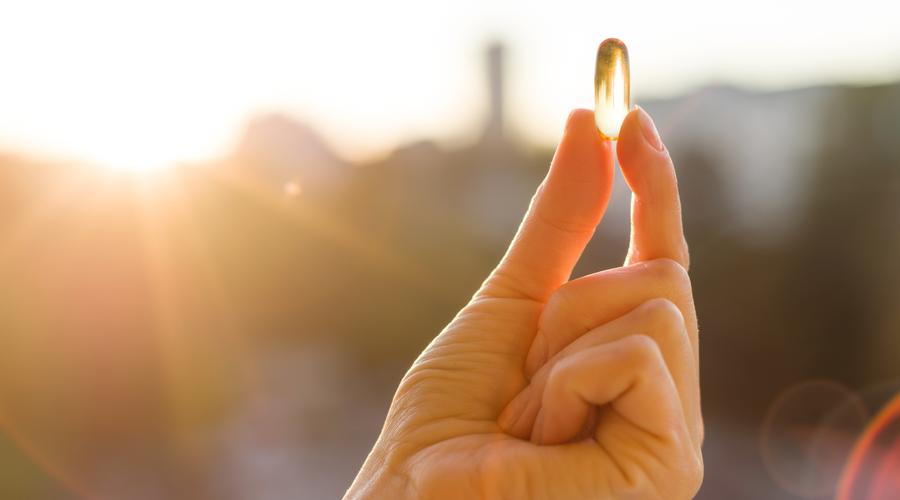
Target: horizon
111,94
515,138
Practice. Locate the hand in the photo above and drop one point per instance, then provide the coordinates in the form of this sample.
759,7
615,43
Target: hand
608,393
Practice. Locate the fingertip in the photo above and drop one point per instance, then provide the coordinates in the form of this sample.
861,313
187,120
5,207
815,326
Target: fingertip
638,136
579,182
582,121
582,152
581,128
648,129
643,157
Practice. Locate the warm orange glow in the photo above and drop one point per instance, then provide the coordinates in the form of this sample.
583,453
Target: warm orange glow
872,471
612,92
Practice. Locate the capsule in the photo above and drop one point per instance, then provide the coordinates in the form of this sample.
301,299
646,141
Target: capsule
612,88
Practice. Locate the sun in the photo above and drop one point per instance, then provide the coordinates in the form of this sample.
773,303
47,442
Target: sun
133,156
144,142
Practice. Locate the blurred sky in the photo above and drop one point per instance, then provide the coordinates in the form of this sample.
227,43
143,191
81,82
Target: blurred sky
144,84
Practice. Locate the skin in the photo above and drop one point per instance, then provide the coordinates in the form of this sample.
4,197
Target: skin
542,387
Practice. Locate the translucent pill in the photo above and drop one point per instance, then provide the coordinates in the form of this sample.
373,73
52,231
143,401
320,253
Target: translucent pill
612,92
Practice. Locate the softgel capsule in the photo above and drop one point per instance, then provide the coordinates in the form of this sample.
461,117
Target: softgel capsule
612,88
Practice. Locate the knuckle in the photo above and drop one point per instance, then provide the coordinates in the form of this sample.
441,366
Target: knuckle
504,284
663,316
694,474
560,373
561,314
561,380
560,301
559,224
686,254
644,350
670,271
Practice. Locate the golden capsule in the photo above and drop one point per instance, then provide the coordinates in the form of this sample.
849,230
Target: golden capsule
612,88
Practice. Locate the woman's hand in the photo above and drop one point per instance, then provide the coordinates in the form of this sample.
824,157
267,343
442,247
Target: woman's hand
545,388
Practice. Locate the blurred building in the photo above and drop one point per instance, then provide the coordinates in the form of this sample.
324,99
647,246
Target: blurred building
761,144
493,130
289,155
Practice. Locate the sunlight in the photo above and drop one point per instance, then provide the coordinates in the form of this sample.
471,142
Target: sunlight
120,93
152,133
126,155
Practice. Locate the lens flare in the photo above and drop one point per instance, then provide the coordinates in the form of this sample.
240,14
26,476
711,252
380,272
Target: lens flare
873,470
808,433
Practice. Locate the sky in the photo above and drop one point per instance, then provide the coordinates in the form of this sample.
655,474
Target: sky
147,84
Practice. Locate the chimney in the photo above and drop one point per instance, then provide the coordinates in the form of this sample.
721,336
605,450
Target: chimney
494,127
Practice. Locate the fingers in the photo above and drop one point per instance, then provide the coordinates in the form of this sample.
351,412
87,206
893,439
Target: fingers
629,375
584,303
519,469
562,216
640,427
656,229
658,319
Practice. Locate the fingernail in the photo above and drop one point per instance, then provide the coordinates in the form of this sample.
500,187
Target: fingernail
648,129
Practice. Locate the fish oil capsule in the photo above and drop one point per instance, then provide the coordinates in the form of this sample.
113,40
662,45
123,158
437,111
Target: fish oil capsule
612,88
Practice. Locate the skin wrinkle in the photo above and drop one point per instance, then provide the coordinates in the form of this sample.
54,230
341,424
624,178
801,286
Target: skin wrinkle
680,293
646,310
666,316
498,291
611,457
580,230
450,373
641,454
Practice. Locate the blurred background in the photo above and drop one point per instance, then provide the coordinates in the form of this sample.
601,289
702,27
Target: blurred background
227,228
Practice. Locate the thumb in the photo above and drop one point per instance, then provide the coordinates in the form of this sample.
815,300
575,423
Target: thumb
656,230
562,217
